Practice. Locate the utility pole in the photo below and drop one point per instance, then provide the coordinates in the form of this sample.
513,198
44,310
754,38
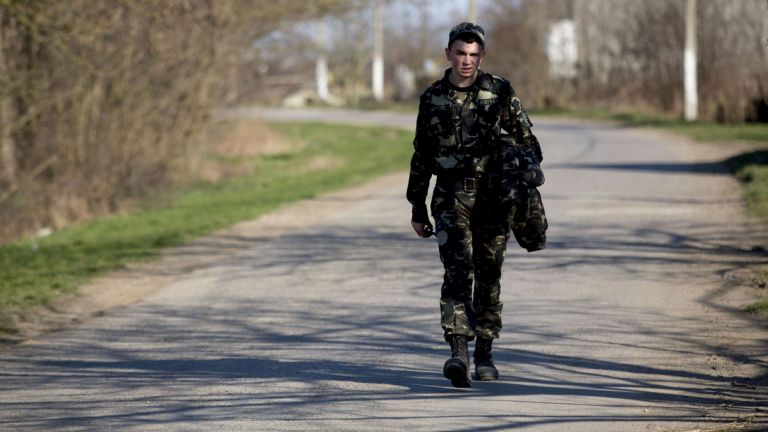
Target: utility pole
378,52
321,64
689,66
472,11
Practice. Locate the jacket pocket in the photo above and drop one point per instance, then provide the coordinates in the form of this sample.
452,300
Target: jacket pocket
441,122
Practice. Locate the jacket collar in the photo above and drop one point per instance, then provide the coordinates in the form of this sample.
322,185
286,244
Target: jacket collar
484,81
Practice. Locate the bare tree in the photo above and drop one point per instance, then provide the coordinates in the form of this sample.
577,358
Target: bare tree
631,54
102,101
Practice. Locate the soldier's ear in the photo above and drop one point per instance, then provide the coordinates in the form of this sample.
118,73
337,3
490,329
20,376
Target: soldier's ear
448,53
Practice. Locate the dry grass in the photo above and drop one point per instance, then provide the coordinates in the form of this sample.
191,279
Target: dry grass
246,139
234,145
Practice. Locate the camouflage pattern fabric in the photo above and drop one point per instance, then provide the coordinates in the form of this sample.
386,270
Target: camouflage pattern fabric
522,174
530,228
472,237
455,130
456,139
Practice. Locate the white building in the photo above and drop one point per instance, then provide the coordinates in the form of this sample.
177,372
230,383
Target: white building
562,51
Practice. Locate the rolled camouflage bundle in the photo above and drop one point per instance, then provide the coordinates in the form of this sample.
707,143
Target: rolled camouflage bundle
521,175
530,229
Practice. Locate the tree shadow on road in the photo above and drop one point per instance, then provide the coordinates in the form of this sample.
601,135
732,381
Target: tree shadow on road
316,346
730,165
210,364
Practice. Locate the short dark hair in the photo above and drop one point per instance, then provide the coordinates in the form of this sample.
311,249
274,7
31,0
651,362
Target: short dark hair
468,38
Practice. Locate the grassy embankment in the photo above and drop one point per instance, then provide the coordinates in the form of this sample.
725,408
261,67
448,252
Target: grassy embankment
323,157
750,167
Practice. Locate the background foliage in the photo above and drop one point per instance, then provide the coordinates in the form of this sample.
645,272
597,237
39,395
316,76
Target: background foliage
102,100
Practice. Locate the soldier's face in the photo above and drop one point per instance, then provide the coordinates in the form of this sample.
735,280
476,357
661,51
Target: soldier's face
465,57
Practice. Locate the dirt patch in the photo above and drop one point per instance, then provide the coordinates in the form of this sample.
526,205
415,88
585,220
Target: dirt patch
234,145
249,138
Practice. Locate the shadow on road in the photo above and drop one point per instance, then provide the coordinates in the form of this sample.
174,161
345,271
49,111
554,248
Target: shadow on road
250,369
728,166
308,350
657,167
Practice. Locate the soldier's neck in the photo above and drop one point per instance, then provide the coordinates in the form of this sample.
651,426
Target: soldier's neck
460,81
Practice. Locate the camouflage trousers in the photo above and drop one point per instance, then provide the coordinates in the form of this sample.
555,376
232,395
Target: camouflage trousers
472,233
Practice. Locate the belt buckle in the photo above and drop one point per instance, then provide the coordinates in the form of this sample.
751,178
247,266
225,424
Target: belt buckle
470,184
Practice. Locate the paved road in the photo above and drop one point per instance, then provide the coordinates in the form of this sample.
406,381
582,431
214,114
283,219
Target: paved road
627,322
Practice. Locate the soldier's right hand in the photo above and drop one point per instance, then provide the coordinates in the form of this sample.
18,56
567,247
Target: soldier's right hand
423,230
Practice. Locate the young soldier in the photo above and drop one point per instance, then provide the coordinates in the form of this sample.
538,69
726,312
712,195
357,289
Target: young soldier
475,197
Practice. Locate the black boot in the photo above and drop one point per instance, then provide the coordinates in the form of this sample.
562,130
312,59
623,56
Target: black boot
456,368
485,370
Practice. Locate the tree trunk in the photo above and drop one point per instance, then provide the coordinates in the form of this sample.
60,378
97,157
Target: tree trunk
8,169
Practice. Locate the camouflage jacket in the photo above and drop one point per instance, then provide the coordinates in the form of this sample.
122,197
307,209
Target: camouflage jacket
455,132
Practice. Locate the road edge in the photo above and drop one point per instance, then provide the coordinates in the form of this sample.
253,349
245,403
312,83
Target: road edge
139,280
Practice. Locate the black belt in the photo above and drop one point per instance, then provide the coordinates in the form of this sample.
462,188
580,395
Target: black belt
470,184
466,184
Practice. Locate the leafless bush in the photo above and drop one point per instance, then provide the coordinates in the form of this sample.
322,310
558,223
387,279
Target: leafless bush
102,101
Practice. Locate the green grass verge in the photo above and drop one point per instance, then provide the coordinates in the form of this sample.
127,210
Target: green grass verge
751,169
760,306
34,272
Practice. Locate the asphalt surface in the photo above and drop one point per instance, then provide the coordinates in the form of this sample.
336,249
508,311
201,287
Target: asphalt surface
629,321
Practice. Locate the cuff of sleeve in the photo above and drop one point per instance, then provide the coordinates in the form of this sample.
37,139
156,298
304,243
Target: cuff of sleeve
419,214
